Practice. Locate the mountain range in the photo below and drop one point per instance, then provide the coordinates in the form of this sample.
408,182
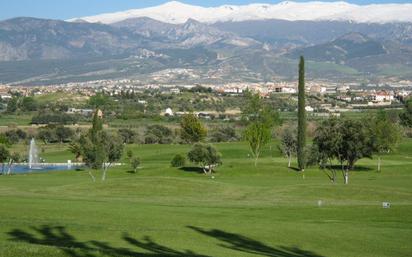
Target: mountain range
176,13
189,44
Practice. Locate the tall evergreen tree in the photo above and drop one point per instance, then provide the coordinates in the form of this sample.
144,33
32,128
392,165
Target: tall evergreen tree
301,116
97,124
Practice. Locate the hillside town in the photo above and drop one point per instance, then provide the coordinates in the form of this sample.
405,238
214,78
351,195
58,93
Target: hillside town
345,96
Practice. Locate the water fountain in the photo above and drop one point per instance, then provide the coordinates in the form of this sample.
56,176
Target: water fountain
36,164
34,159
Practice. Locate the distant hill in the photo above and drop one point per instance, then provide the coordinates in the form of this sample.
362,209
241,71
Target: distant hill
349,46
37,39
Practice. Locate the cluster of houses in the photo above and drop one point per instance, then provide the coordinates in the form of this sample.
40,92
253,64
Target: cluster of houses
353,95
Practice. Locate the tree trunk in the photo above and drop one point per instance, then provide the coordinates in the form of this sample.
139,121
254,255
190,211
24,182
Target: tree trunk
346,176
207,169
105,171
91,175
303,173
333,171
290,160
379,163
256,159
9,167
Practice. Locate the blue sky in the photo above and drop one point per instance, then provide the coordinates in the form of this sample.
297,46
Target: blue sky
65,9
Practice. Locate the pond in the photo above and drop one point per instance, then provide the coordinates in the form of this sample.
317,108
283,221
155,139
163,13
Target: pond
22,169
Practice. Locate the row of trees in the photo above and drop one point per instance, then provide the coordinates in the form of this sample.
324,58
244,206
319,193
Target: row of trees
20,103
12,137
54,118
345,141
348,141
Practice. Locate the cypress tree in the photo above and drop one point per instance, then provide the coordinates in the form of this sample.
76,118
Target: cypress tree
301,116
97,124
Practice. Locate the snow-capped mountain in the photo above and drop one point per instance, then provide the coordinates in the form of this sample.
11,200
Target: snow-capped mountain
176,13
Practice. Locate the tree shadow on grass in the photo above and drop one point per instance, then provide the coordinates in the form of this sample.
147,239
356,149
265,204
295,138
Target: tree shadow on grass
247,245
192,170
355,169
53,236
57,236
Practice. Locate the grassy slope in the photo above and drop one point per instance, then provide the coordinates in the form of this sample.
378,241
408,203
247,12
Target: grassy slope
244,211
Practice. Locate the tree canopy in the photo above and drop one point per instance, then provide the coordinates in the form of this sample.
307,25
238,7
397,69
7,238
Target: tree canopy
192,130
205,155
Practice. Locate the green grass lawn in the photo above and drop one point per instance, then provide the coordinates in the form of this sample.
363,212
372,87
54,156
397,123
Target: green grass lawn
15,120
267,210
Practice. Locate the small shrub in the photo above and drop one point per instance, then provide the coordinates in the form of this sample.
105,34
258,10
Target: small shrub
135,163
178,161
129,154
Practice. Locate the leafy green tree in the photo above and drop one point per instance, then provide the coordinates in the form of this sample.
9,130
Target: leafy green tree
192,130
327,145
129,154
257,135
47,135
99,101
158,134
4,140
344,140
76,149
98,148
356,144
260,119
13,158
206,156
14,136
89,152
224,134
253,106
386,135
4,155
13,104
178,161
256,110
288,143
406,116
301,117
128,136
64,133
111,149
135,163
28,104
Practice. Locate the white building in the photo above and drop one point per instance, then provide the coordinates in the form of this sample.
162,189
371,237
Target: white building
383,96
169,112
309,109
318,89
